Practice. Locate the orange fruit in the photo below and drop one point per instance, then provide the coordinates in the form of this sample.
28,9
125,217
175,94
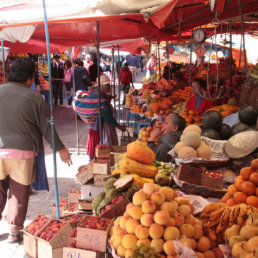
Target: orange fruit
230,202
256,191
254,164
239,197
226,197
232,189
238,182
252,200
248,188
246,172
254,178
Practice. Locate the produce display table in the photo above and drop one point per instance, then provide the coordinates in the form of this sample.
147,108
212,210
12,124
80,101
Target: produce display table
126,115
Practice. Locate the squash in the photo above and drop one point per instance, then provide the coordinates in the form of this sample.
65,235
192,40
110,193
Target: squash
166,104
178,146
194,128
138,180
140,152
128,165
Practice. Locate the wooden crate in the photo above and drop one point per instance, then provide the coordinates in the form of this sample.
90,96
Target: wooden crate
93,239
189,174
103,168
30,241
74,197
85,174
102,153
99,180
81,253
210,182
60,239
84,205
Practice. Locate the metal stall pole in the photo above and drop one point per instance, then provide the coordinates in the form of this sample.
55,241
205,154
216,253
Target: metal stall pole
2,45
99,89
118,75
114,76
159,62
243,34
75,115
51,121
191,54
168,62
230,57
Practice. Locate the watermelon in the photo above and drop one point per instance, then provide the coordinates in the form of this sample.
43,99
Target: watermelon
212,120
248,115
225,132
210,133
238,128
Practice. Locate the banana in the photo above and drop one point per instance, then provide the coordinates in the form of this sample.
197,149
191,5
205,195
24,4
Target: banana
243,209
212,207
212,234
215,217
224,219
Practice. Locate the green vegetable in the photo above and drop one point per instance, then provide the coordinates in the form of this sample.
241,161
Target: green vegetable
97,200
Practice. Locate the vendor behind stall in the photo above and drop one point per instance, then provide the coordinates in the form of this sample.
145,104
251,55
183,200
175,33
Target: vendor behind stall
169,133
197,102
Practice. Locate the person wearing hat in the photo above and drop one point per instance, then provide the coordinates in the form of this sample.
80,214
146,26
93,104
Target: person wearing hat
125,79
57,71
109,123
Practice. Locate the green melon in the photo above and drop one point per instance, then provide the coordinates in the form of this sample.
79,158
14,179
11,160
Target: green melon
238,128
212,120
225,132
248,115
211,133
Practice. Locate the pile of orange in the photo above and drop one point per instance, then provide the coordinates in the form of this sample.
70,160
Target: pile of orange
225,109
145,132
245,187
182,94
137,109
191,116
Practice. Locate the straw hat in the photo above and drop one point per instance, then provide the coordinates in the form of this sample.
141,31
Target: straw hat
103,80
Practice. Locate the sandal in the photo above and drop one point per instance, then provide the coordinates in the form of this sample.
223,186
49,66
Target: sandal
14,237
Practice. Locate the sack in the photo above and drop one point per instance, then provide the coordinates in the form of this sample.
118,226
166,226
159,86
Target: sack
126,139
86,105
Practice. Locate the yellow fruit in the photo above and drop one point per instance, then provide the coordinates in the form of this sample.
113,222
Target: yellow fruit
182,201
139,197
145,241
148,188
128,253
157,244
170,207
203,244
198,232
121,251
136,212
156,231
169,247
147,219
123,221
187,230
129,241
184,210
209,254
148,206
141,232
161,217
171,233
158,198
168,193
131,225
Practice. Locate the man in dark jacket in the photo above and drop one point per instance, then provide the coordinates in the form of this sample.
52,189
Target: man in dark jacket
81,76
57,71
170,134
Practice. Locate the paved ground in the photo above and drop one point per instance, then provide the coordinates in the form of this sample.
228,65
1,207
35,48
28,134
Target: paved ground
41,202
